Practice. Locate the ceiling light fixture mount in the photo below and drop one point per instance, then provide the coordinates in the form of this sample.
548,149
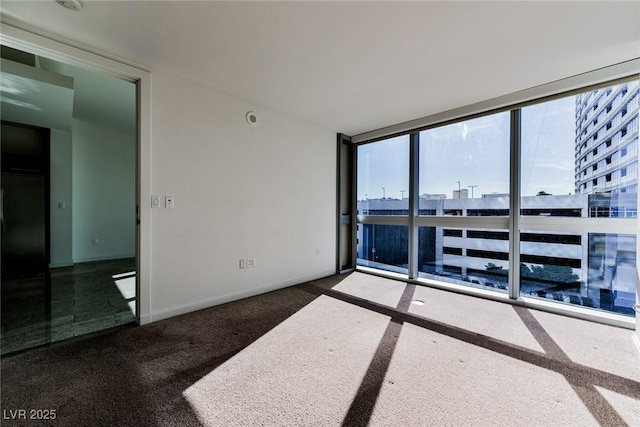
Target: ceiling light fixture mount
74,5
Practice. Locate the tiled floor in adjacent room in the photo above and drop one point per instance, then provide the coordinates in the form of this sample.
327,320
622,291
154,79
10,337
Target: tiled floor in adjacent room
78,300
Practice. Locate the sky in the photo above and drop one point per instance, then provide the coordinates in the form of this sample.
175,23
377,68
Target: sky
476,153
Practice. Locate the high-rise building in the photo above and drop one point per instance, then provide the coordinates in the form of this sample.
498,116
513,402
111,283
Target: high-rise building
606,145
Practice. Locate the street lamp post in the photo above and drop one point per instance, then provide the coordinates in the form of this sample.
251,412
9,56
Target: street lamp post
472,187
458,189
402,194
383,195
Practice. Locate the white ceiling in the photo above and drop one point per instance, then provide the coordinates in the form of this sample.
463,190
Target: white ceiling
354,66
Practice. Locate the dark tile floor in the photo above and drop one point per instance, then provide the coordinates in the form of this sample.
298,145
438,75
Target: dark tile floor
67,302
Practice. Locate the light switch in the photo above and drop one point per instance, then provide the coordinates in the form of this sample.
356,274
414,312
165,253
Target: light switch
155,201
169,202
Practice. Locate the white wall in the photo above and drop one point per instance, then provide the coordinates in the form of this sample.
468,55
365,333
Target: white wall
265,192
61,217
103,192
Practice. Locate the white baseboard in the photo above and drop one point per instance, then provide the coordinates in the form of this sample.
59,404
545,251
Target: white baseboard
144,320
61,264
102,258
234,296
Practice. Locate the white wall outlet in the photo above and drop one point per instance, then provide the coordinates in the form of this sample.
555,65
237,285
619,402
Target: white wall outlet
251,262
169,202
155,201
242,264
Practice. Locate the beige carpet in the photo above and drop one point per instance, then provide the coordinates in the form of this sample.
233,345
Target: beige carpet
346,350
309,369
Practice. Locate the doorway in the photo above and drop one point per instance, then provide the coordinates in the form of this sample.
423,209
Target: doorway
80,273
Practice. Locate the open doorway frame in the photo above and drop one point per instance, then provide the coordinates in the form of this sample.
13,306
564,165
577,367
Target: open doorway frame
30,40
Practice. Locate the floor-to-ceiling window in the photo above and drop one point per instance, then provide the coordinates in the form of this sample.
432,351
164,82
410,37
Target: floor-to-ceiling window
578,183
464,181
383,184
538,201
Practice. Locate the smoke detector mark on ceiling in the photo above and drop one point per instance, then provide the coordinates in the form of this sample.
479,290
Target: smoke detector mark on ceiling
252,119
70,4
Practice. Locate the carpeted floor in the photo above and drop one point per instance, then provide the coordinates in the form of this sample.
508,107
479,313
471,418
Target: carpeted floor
345,350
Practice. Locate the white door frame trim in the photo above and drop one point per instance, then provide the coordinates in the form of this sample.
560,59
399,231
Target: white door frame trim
17,36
